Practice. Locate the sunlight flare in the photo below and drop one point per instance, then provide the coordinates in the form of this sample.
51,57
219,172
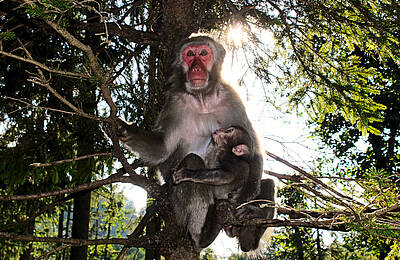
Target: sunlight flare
236,35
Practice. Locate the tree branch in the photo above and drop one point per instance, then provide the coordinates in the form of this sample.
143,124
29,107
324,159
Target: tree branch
313,178
150,212
38,107
124,31
45,256
69,160
117,177
42,66
97,69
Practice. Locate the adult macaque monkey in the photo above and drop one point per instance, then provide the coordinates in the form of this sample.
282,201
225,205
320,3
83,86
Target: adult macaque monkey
197,104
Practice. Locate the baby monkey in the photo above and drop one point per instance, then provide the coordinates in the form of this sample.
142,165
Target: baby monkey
226,165
226,168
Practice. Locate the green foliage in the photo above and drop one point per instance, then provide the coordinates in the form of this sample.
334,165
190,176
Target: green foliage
48,9
7,36
338,251
318,61
376,164
35,11
208,254
292,243
395,252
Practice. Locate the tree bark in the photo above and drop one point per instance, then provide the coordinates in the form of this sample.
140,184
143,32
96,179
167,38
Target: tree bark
80,225
60,229
26,255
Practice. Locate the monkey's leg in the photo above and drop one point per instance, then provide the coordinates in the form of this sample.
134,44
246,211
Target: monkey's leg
252,187
249,236
191,202
192,161
211,227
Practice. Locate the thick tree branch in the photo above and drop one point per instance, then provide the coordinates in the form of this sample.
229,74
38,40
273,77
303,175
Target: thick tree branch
154,189
117,177
143,242
150,212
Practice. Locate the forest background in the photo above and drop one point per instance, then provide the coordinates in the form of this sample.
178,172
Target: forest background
66,66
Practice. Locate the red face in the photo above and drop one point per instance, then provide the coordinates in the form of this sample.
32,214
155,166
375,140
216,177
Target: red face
198,60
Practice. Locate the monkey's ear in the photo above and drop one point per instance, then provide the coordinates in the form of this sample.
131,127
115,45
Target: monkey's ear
240,150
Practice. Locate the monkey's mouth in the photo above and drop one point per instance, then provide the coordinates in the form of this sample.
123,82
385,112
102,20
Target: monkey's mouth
198,82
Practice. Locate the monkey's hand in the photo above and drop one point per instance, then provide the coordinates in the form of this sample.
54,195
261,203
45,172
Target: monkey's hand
232,231
244,213
121,132
180,176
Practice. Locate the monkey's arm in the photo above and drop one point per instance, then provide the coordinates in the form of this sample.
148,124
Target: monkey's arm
149,144
206,176
251,189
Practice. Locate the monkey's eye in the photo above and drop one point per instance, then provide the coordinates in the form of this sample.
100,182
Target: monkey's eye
230,129
203,52
190,53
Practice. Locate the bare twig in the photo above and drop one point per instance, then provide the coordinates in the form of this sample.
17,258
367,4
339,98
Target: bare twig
45,256
94,64
41,80
42,66
69,160
280,176
38,107
313,178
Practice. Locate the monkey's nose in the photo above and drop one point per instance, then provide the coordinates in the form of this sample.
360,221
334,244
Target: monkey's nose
196,68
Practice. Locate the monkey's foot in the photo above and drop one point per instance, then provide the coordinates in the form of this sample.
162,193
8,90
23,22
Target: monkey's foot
225,205
231,231
248,212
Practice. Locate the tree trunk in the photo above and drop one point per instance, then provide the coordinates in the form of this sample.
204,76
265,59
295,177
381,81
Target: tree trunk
153,227
26,255
84,130
80,225
183,253
298,244
60,230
